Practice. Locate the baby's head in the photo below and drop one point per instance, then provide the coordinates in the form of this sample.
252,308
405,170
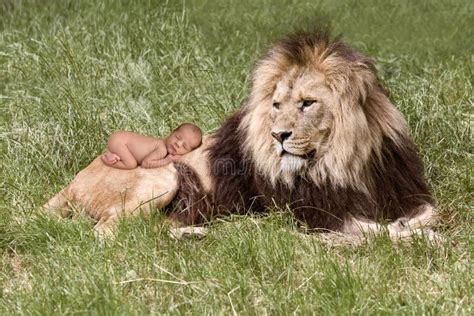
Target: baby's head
183,139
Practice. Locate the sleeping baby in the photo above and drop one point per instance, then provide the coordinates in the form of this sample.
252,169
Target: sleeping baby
127,150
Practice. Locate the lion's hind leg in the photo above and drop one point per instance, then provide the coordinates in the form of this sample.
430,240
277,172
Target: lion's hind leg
59,204
106,224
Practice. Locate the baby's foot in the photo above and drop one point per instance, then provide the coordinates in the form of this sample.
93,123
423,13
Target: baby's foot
110,158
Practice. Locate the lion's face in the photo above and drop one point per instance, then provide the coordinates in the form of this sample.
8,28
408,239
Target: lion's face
316,111
300,118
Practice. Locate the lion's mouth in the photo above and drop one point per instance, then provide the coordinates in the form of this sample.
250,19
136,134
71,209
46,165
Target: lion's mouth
306,156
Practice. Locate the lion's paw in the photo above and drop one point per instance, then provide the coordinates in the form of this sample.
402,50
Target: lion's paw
188,232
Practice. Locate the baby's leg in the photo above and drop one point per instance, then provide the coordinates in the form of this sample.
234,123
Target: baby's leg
125,161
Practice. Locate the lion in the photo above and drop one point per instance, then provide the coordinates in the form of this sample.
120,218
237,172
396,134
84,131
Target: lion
317,134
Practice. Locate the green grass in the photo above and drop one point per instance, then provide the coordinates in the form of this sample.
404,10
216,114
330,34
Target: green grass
71,72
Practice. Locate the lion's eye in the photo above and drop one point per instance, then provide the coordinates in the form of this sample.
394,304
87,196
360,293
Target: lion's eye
276,105
307,103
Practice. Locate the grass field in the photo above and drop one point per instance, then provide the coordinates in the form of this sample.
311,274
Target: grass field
71,72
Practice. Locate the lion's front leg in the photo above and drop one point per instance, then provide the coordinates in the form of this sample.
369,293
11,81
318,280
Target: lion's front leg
196,232
399,229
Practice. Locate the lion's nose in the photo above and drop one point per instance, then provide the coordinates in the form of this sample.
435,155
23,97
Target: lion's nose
281,136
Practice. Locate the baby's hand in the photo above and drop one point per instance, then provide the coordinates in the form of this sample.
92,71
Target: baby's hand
174,157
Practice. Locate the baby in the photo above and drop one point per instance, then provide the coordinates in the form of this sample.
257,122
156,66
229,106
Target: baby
127,150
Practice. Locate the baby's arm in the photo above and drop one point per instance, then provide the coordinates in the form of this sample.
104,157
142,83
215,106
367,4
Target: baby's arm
160,162
156,163
157,158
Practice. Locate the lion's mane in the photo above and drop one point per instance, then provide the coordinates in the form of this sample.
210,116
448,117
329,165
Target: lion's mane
371,169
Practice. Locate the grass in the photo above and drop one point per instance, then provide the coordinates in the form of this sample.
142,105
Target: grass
74,71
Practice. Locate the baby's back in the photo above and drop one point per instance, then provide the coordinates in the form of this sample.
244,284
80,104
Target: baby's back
138,145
